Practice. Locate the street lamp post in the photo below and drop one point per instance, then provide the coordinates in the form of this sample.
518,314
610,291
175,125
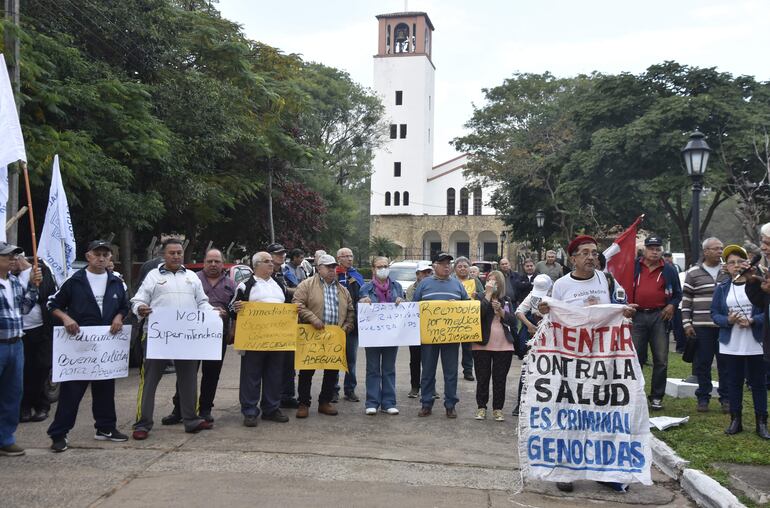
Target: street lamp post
503,236
696,158
540,219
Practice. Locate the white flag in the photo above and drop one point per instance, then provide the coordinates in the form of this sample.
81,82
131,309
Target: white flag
57,241
11,140
3,200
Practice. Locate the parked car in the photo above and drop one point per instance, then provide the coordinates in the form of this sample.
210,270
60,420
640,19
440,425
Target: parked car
404,272
484,268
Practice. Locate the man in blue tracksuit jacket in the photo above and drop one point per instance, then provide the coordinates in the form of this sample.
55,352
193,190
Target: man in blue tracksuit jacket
93,296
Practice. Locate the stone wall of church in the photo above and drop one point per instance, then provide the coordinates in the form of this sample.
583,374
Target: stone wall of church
408,231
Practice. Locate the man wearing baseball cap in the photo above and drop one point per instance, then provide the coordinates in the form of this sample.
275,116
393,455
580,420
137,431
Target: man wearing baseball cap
422,270
322,301
439,286
93,296
14,302
657,292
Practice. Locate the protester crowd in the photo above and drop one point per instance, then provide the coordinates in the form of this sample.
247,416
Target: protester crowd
722,306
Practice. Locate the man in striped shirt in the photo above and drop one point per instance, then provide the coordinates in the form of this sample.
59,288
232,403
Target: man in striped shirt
697,292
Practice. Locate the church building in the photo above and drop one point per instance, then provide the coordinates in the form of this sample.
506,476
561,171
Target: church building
422,207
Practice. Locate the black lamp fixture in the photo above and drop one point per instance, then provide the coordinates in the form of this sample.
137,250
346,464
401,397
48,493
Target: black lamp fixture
540,218
696,158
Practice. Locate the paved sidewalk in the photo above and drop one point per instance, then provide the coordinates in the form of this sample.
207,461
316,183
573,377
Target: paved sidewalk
348,460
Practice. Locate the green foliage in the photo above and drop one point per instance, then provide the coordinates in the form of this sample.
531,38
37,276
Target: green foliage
168,119
381,246
596,151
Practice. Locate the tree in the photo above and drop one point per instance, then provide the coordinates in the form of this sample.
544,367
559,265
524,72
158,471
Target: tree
595,151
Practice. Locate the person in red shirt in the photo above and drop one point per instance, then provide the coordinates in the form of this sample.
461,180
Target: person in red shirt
657,293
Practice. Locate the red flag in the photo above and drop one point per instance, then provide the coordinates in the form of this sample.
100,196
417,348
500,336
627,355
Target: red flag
621,254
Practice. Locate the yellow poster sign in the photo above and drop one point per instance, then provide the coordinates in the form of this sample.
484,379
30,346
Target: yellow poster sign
266,327
444,322
320,349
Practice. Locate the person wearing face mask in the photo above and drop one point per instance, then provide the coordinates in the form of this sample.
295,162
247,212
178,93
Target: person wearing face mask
492,357
381,361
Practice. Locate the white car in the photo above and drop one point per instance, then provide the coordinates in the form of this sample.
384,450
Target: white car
404,271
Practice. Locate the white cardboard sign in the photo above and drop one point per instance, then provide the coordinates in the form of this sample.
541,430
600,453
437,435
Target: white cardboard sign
184,334
388,324
93,354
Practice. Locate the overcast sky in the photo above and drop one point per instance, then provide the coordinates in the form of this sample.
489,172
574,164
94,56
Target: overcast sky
478,44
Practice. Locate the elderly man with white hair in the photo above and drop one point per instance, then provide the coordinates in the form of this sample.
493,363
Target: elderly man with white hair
697,292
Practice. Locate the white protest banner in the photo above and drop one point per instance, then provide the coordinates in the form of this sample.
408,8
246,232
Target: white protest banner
584,411
57,240
184,334
91,355
388,324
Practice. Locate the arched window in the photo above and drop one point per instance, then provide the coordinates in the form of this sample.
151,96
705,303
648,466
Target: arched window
396,198
406,198
464,201
387,199
401,38
477,202
450,201
387,40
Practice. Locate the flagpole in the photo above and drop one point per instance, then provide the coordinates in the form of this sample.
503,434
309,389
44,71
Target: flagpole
31,214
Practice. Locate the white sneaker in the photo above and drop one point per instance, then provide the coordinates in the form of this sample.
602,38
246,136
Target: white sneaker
371,411
391,411
481,414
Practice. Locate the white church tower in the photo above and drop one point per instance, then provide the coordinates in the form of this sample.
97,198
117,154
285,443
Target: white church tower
404,79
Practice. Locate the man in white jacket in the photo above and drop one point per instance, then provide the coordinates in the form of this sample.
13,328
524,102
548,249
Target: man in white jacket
169,285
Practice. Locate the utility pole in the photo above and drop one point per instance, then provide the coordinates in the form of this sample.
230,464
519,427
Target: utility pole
12,57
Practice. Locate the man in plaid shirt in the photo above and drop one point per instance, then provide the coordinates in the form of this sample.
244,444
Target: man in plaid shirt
14,302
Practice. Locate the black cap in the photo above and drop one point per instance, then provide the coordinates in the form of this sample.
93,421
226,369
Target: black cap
275,248
652,240
7,248
442,256
99,244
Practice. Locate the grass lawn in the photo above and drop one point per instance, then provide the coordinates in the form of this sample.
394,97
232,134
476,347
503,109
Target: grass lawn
702,440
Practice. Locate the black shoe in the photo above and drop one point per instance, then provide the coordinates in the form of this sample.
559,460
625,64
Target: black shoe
206,415
352,397
736,424
565,486
171,419
110,435
250,421
335,398
59,444
469,377
762,426
276,416
39,416
656,404
515,411
291,403
25,415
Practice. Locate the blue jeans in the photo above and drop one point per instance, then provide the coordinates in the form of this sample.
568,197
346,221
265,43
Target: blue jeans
11,389
381,377
749,368
707,348
351,352
429,359
467,358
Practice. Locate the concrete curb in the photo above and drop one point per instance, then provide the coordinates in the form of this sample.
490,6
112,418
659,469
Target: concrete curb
700,487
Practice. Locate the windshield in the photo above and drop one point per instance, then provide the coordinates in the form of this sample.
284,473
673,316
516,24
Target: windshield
402,274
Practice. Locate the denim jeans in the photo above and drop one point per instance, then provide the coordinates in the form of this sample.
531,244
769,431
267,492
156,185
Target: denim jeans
381,377
11,388
749,368
707,348
351,353
650,329
467,358
429,358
